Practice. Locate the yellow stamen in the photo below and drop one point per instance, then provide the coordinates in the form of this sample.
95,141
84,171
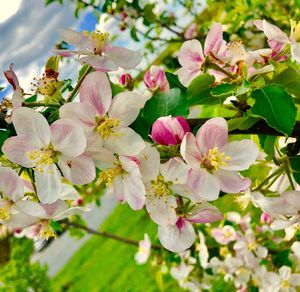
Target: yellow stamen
106,127
252,245
42,157
215,159
295,30
46,230
5,211
285,284
107,176
98,40
160,188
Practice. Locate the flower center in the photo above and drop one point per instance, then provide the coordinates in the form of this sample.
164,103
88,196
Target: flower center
98,40
252,245
5,211
227,233
215,159
107,176
46,85
160,188
40,158
106,127
46,230
285,284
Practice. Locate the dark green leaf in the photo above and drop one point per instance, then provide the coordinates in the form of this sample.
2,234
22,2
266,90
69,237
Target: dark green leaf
241,123
172,103
295,165
31,98
134,34
1,88
115,88
3,136
149,16
267,143
223,90
174,81
141,126
276,106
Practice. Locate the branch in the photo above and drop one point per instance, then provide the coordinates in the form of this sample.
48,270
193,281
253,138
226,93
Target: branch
261,127
38,104
109,235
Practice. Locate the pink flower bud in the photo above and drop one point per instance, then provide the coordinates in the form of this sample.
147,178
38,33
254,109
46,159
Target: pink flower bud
12,77
155,79
169,130
191,31
265,218
125,79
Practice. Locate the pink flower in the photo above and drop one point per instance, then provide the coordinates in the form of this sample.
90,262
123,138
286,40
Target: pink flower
224,235
125,80
43,147
265,218
169,131
106,120
191,55
12,78
191,31
155,79
214,163
278,40
94,49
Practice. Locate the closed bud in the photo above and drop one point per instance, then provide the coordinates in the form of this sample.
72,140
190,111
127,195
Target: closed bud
155,79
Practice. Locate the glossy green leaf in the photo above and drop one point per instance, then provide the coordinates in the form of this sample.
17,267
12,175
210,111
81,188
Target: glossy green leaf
295,165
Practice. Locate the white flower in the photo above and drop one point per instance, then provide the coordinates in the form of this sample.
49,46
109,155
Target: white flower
144,250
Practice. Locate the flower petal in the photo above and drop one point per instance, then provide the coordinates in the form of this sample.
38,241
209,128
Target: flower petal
190,55
204,213
95,90
33,125
11,185
186,76
67,137
214,39
232,182
78,170
204,185
175,170
125,58
126,107
134,192
100,63
74,38
48,183
242,154
190,152
178,237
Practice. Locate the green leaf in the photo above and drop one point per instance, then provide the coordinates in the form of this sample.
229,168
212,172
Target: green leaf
295,165
1,88
3,136
171,103
174,81
52,63
267,143
224,90
241,123
276,106
149,16
290,79
32,98
134,34
115,88
198,91
141,126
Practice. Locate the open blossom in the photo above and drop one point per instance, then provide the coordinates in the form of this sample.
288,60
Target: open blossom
214,162
106,120
286,281
95,50
43,147
155,79
191,56
11,191
12,78
144,250
169,131
36,216
278,40
224,235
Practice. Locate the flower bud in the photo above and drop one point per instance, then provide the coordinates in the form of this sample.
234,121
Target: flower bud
169,130
191,32
265,218
126,80
155,79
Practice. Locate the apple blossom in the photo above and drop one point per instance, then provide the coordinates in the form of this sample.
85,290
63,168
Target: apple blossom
191,31
144,250
214,162
169,131
155,79
106,120
94,49
126,80
286,281
45,148
224,235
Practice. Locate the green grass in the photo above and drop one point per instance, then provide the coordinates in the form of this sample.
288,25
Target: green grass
103,264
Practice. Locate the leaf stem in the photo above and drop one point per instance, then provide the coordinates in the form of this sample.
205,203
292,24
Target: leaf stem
267,179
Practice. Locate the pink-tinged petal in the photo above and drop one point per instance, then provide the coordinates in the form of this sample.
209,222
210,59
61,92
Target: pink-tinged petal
78,170
55,208
100,63
124,58
178,237
232,182
279,224
161,134
184,124
67,137
204,185
190,152
190,55
204,213
175,170
11,77
74,38
48,183
81,113
214,39
162,210
213,133
274,33
11,185
242,154
95,90
126,107
16,149
186,76
134,192
32,124
127,142
130,166
117,189
22,220
69,193
32,208
295,279
295,51
69,212
17,98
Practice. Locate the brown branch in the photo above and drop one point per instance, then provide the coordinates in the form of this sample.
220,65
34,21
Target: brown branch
109,235
261,127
